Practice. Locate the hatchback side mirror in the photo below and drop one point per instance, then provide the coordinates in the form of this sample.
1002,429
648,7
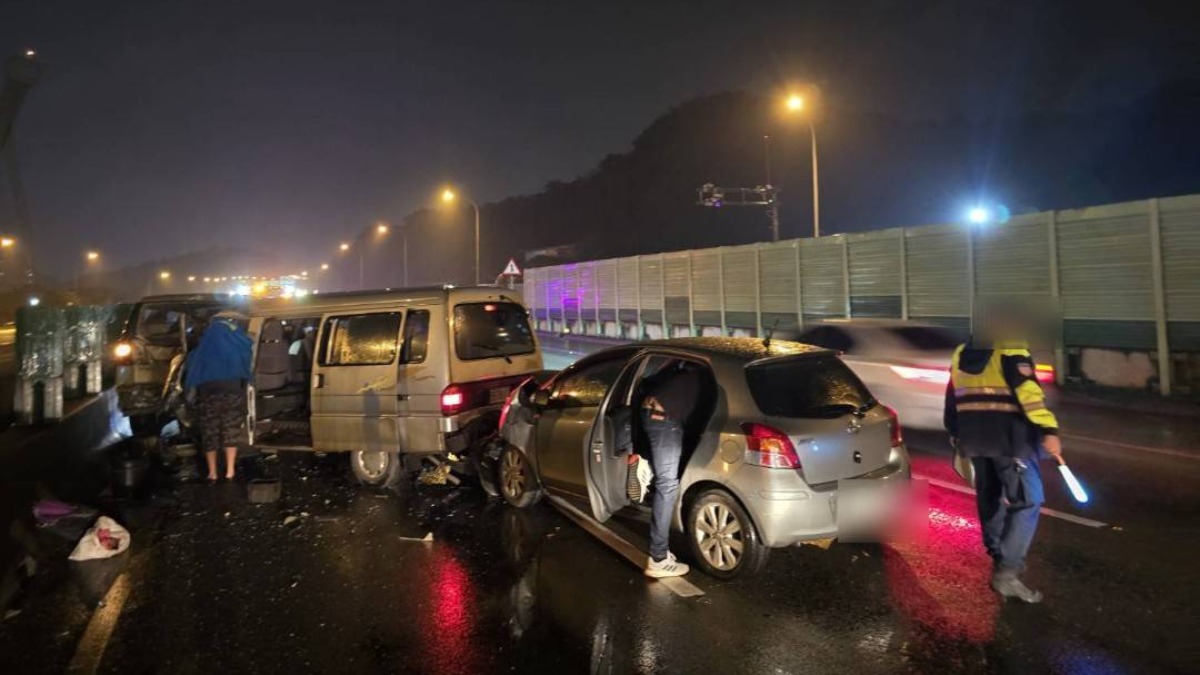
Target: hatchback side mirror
540,398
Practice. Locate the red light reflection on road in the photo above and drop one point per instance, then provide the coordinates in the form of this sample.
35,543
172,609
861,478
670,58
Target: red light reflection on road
941,580
449,630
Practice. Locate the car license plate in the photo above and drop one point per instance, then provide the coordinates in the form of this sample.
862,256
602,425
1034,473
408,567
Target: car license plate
497,395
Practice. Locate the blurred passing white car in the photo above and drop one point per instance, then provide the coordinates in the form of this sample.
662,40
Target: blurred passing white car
905,365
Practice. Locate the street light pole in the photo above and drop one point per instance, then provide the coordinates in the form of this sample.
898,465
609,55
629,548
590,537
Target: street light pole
816,184
404,255
476,206
796,104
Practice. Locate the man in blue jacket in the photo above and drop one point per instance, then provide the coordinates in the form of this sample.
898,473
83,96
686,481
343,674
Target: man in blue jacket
218,370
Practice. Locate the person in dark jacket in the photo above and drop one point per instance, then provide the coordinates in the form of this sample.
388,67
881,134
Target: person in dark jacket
996,415
668,399
218,371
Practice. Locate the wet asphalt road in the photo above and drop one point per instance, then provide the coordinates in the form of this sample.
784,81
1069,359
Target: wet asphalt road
333,578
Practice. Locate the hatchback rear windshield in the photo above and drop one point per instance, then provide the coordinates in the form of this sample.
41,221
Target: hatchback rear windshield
926,338
810,387
485,330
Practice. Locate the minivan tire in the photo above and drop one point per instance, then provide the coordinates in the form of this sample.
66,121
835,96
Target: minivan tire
378,469
518,484
716,517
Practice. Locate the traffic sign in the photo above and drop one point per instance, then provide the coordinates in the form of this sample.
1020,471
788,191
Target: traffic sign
511,269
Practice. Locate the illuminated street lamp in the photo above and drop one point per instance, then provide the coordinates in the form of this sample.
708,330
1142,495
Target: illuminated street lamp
92,256
344,247
795,104
7,242
324,267
449,197
191,278
164,275
381,228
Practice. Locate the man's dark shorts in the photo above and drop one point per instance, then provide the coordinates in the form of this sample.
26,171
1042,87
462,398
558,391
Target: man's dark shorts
222,415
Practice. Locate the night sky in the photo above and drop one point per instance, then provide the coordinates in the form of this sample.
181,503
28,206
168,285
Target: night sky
160,128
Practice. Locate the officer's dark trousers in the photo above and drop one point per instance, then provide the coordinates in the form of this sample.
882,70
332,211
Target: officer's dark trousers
1009,494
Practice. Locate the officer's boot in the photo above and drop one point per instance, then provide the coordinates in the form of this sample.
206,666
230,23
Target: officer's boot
1006,583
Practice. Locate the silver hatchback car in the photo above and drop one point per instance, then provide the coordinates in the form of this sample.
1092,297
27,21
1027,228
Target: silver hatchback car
778,426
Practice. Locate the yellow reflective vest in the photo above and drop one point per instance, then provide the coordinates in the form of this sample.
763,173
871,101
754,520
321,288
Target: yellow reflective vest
994,404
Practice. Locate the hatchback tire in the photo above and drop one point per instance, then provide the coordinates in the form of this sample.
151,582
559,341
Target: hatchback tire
517,485
378,469
722,538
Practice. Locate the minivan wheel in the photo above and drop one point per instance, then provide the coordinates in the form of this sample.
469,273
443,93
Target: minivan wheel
518,485
377,469
722,537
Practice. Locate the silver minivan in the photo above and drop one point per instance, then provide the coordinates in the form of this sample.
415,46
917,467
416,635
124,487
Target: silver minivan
779,430
389,376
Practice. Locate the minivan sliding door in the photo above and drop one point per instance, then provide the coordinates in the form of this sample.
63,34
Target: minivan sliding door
355,401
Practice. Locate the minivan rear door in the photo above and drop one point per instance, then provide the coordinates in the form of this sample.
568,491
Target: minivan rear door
838,429
355,402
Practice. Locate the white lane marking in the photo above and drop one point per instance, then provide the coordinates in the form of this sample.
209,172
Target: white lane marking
678,585
1069,517
1143,448
90,650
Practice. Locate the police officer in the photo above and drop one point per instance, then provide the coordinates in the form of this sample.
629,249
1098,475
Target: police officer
997,416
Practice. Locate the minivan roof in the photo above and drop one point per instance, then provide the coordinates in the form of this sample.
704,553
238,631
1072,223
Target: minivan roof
427,295
226,298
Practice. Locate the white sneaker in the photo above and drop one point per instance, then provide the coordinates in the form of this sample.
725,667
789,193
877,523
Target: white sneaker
667,567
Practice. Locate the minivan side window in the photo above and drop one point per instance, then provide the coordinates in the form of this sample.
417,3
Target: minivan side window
361,339
416,337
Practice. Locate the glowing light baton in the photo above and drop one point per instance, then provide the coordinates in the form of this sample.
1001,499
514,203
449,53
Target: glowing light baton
1073,483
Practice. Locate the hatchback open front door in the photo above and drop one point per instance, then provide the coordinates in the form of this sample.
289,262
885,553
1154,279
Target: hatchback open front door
609,444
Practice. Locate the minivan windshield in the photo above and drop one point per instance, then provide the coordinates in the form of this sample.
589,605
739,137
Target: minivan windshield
484,330
158,322
818,386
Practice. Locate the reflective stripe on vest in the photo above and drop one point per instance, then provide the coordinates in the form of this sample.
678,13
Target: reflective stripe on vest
986,391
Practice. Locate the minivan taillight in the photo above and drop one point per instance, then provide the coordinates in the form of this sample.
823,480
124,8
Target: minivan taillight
894,427
453,398
769,447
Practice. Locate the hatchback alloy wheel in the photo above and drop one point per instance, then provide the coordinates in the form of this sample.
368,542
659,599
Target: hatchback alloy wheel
724,540
719,536
517,483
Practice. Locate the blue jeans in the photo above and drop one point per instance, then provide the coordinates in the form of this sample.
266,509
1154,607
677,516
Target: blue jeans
666,448
1009,494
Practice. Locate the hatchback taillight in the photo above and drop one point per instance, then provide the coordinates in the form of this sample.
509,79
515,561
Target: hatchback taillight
508,401
769,447
894,427
453,399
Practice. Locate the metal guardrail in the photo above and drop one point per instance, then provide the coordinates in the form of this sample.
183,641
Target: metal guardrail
1127,277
